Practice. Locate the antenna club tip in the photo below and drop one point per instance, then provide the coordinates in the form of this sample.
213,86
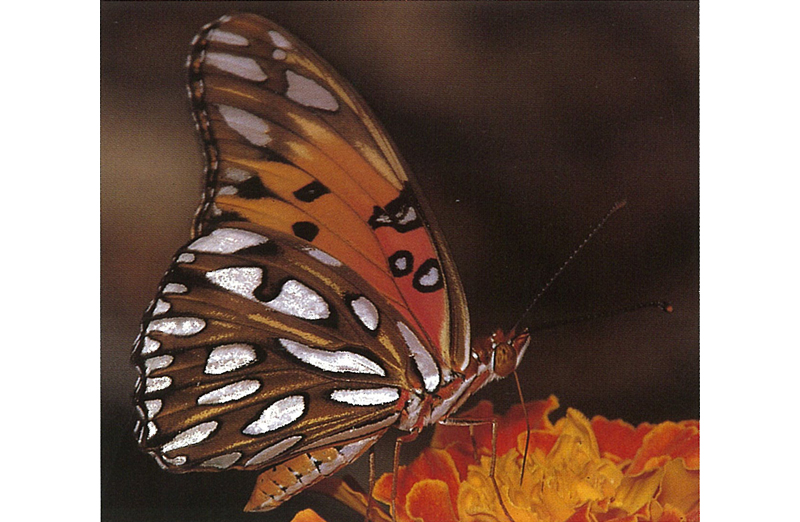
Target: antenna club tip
619,204
667,307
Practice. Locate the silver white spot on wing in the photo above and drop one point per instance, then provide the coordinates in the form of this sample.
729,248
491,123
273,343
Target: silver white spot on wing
298,300
279,40
152,429
278,54
218,35
241,66
231,392
430,278
401,263
332,361
422,358
241,280
161,307
156,363
153,407
186,257
180,460
179,326
226,241
409,216
367,396
227,190
294,299
279,414
253,128
215,210
235,175
150,345
323,257
229,357
308,92
193,435
175,288
366,312
273,451
154,384
223,461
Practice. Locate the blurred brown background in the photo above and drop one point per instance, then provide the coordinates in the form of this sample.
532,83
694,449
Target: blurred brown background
523,122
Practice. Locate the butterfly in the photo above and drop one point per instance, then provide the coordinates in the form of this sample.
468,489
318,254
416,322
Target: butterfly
317,304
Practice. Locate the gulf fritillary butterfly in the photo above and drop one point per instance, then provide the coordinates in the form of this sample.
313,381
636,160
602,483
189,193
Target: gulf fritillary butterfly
317,304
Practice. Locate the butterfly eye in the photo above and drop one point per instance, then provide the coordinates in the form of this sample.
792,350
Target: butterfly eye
505,359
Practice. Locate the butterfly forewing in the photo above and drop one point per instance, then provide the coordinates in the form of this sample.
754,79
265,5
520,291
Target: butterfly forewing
291,146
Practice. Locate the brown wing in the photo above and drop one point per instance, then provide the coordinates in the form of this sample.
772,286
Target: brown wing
258,349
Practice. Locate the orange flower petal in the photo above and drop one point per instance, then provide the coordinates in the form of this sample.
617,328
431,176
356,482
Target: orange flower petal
463,456
307,515
430,501
665,442
431,464
445,435
619,439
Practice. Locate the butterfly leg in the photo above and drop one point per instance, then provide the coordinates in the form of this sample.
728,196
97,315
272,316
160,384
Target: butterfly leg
474,443
471,424
370,499
398,443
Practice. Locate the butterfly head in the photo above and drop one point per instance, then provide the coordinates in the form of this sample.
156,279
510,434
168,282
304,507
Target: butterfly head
504,351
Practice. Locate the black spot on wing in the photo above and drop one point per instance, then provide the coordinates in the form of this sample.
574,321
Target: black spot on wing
270,248
401,214
253,188
401,263
428,277
305,230
311,192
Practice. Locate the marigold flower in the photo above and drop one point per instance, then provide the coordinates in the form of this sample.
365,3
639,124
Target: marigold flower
576,471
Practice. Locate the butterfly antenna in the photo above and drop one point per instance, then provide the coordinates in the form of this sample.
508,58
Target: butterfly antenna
618,205
664,306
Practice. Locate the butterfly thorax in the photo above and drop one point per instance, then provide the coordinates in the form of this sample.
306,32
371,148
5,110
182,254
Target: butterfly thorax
491,358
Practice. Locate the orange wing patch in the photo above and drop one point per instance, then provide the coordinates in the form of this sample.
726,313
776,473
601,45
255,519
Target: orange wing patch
318,166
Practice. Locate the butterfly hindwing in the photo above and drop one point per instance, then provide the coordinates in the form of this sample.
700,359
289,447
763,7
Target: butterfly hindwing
255,342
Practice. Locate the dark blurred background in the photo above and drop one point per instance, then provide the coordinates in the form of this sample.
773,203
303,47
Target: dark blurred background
523,122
